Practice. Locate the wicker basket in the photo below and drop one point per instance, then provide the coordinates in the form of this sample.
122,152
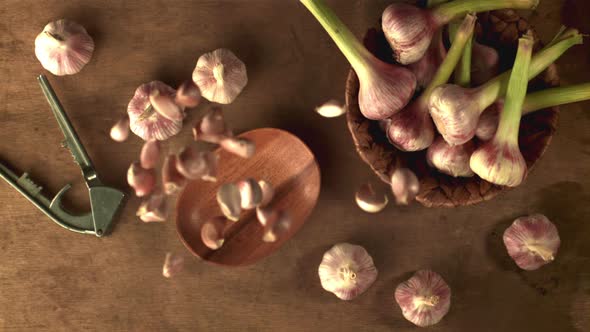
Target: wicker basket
498,29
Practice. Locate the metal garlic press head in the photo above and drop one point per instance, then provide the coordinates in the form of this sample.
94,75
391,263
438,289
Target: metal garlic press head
104,201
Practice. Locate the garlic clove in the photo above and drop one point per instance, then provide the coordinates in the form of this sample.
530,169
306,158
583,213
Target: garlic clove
347,270
188,95
64,47
266,215
165,105
250,192
451,160
212,232
229,200
150,154
404,185
173,264
145,122
212,160
192,163
220,76
425,298
241,147
213,123
173,181
153,209
268,192
532,241
278,228
331,109
369,199
120,131
141,180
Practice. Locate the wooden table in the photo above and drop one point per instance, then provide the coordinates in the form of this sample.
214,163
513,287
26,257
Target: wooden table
51,279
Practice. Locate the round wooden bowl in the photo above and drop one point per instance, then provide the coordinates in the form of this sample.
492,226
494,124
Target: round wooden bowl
280,159
498,29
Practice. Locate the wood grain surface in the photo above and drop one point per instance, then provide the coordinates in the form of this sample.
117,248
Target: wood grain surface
54,280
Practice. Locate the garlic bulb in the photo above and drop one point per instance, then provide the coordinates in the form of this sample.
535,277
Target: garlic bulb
404,185
220,76
370,200
141,180
153,209
145,122
64,47
173,264
331,109
532,241
347,270
451,160
120,131
425,298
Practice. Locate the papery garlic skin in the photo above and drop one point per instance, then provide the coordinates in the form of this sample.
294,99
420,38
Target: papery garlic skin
532,241
404,185
64,47
369,199
451,160
145,122
424,299
500,163
347,270
220,76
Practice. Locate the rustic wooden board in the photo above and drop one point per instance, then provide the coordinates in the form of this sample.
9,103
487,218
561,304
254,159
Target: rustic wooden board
53,280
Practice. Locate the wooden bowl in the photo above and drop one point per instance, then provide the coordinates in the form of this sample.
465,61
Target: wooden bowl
281,159
498,29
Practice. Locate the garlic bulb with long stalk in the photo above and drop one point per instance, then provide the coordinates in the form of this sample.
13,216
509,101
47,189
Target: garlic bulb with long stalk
425,298
451,159
64,47
488,121
456,110
532,241
384,88
145,122
347,270
220,76
462,75
409,29
412,128
499,160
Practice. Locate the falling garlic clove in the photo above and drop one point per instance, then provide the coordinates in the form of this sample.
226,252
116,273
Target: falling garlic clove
251,193
424,299
120,131
369,199
165,105
347,270
173,181
192,163
241,147
229,200
141,180
220,76
150,154
331,109
404,185
266,216
153,209
145,122
268,192
64,47
188,95
173,264
212,160
212,127
212,232
532,241
280,226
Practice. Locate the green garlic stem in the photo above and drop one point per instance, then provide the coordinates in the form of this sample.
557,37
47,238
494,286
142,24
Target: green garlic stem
453,9
355,52
496,87
556,96
463,70
517,87
541,251
444,72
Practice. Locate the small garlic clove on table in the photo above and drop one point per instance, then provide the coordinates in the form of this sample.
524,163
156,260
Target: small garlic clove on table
424,299
532,241
369,199
347,270
220,76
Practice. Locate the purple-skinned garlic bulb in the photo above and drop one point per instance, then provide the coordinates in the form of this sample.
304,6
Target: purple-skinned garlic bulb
532,241
384,88
64,47
145,122
347,270
426,67
450,160
404,185
425,298
485,63
220,76
409,29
